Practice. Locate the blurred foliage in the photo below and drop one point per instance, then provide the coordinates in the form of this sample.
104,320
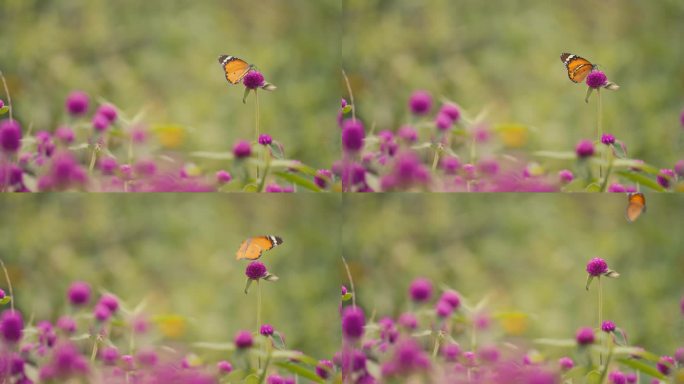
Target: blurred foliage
503,57
178,254
526,253
160,57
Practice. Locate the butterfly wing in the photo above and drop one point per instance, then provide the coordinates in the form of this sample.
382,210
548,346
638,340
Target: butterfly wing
253,248
636,205
578,67
234,68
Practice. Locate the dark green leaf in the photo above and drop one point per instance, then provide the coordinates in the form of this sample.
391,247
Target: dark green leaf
249,282
300,371
642,367
641,179
5,300
4,110
347,296
278,341
298,180
589,279
244,96
347,109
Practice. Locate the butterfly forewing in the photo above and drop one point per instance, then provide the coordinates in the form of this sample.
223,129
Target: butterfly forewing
636,205
252,248
235,68
578,67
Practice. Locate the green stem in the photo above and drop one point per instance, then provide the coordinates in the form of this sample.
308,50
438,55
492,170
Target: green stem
436,348
256,120
599,127
435,161
93,354
258,315
9,284
93,157
600,313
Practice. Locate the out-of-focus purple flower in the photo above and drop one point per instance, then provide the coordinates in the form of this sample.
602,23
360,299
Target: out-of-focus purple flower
66,324
407,171
566,363
10,136
100,123
451,351
255,270
108,111
420,102
585,336
65,134
387,143
489,353
2,294
420,290
343,103
408,320
324,368
65,172
108,165
607,139
565,176
584,149
450,165
607,326
452,111
443,309
443,122
242,149
147,357
109,355
145,168
631,377
265,139
223,177
597,266
679,168
79,293
664,177
102,313
274,379
66,362
11,326
488,166
45,145
679,355
596,79
616,377
407,358
243,340
408,133
665,364
77,103
253,79
2,103
138,134
353,134
481,134
452,298
224,367
353,323
266,330
616,187
273,188
110,301
322,177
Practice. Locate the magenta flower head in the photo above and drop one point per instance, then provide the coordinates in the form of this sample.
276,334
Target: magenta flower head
664,177
565,176
607,139
443,122
110,301
102,313
584,149
322,177
679,355
2,103
66,324
100,123
420,290
108,111
681,118
265,139
65,134
452,298
420,102
224,367
408,320
109,355
608,326
408,134
682,305
79,293
255,270
266,330
617,377
11,326
450,165
107,165
2,293
597,266
242,149
243,339
77,103
584,336
616,187
353,322
665,364
324,368
452,111
223,177
344,290
566,363
597,79
679,168
353,134
253,80
443,309
10,136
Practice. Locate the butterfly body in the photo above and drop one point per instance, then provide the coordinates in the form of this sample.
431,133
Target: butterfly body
234,68
253,247
578,67
636,205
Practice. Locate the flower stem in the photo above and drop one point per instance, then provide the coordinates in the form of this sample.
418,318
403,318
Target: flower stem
600,313
258,315
436,348
599,127
256,124
9,98
9,284
435,161
93,157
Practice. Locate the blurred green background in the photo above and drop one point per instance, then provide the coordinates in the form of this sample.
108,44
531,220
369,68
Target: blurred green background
160,57
178,253
528,253
503,56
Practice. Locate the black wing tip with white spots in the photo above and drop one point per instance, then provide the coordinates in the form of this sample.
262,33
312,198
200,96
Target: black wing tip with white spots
275,240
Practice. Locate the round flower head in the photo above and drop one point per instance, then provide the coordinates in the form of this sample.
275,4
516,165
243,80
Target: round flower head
452,111
110,301
2,293
100,123
631,377
608,326
452,298
679,168
108,111
664,177
584,149
2,103
343,103
597,266
255,270
109,355
443,309
607,139
353,322
223,177
242,149
243,339
324,368
11,326
420,290
665,364
565,176
352,135
344,290
77,103
265,139
102,313
10,136
66,324
566,363
253,80
266,330
616,187
443,122
596,79
420,102
451,351
408,134
108,165
450,165
585,336
679,356
79,293
224,367
322,177
65,134
617,377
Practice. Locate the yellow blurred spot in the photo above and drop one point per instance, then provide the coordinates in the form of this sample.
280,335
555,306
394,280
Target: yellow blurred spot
679,187
513,135
171,326
514,323
679,377
193,170
170,136
535,169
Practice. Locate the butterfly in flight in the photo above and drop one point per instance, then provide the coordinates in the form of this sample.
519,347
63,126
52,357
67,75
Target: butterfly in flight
234,68
636,205
253,247
578,67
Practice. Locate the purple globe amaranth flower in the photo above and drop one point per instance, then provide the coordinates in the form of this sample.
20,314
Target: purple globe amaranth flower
566,363
11,326
79,293
631,377
597,79
353,134
242,149
77,103
223,177
273,188
420,290
243,340
145,168
664,177
2,294
585,336
565,176
66,324
407,133
679,355
617,377
679,168
322,177
253,79
681,305
224,367
450,165
353,322
265,139
584,149
665,364
608,326
102,313
147,357
616,187
408,320
110,301
452,298
420,102
323,368
109,355
256,270
443,122
408,358
452,111
597,266
65,134
108,165
274,379
10,136
344,290
443,309
108,111
266,330
451,351
64,172
2,103
66,362
343,102
607,139
100,123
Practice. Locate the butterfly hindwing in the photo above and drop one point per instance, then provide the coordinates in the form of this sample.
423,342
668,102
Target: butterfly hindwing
253,247
235,68
636,205
578,67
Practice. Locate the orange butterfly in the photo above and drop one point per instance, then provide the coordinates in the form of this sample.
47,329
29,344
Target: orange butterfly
253,247
235,68
636,205
578,67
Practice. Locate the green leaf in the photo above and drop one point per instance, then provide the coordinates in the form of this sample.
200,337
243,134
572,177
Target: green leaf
215,346
270,277
589,90
557,342
590,278
612,274
631,163
642,180
641,366
5,300
300,371
4,110
298,180
347,108
249,282
244,96
619,150
559,155
347,296
278,341
277,150
252,379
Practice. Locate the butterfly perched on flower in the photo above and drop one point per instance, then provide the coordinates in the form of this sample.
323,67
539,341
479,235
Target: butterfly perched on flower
578,67
253,247
234,68
636,205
